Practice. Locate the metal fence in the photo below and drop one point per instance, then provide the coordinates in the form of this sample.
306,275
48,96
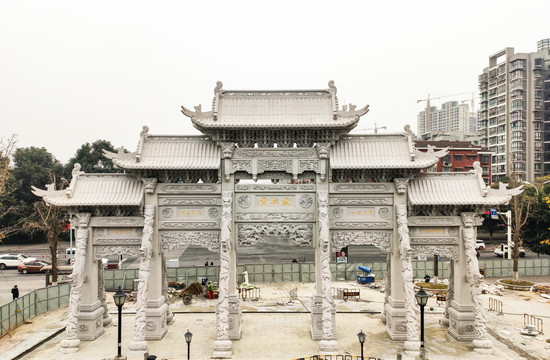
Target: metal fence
305,272
37,302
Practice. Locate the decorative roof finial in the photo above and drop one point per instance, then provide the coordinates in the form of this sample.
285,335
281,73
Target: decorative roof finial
144,130
218,87
407,129
331,87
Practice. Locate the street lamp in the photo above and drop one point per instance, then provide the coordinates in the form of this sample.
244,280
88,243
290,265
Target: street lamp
188,336
119,297
362,336
422,300
536,188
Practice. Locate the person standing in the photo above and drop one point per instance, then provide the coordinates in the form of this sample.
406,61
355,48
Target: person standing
210,289
15,292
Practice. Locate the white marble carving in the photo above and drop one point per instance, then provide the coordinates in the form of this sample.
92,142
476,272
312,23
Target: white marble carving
71,342
251,234
107,320
169,314
222,344
139,344
401,185
474,278
328,342
380,239
405,253
149,184
101,252
449,252
170,240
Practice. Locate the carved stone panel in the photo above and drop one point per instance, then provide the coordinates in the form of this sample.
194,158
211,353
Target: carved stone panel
379,238
275,187
116,235
361,188
101,252
116,221
447,251
274,153
361,217
360,200
188,188
295,206
170,240
298,234
435,221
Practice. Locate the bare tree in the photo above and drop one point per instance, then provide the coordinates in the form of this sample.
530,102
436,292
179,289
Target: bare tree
50,221
7,205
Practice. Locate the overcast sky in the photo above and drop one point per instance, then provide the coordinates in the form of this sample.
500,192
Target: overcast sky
73,72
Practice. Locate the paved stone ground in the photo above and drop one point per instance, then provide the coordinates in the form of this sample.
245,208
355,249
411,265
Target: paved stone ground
274,329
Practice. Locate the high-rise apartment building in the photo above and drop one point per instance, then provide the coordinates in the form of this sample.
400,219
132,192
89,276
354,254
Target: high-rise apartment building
451,118
514,115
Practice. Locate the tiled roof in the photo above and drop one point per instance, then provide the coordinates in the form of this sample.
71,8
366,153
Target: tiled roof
456,189
380,152
96,190
170,152
275,109
441,144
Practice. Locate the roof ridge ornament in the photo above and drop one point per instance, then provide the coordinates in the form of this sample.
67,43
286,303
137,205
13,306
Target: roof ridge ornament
216,101
143,135
409,134
332,90
75,175
478,171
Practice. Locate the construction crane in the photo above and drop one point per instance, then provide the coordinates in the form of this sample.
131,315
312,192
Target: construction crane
428,105
375,128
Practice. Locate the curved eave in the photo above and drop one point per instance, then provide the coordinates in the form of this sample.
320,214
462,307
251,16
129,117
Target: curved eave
118,156
339,124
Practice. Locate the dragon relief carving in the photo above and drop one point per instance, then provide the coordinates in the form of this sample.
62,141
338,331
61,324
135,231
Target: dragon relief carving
101,252
76,279
362,187
145,253
401,185
177,239
380,239
405,253
222,310
324,243
299,234
473,277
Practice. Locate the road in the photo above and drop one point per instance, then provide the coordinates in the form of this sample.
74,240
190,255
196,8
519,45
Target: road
273,252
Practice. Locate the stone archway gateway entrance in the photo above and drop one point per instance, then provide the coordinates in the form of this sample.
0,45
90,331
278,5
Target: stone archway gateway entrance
328,189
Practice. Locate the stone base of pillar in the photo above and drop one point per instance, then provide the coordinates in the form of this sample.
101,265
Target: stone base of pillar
222,349
235,317
461,322
444,321
411,348
107,319
328,347
90,321
69,345
396,319
155,328
317,317
137,349
483,346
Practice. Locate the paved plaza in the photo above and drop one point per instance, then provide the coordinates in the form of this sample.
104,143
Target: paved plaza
273,328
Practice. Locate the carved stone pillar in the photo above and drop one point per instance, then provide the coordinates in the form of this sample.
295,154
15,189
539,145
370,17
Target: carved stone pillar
71,342
412,344
450,294
466,320
138,346
387,294
222,344
466,325
328,344
107,319
169,314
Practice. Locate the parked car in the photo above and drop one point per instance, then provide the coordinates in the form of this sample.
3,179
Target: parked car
69,255
480,245
13,260
502,251
35,266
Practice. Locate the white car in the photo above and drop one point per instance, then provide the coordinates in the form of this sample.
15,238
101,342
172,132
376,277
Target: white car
13,260
480,245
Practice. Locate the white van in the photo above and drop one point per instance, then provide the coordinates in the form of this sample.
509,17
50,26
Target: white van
69,255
